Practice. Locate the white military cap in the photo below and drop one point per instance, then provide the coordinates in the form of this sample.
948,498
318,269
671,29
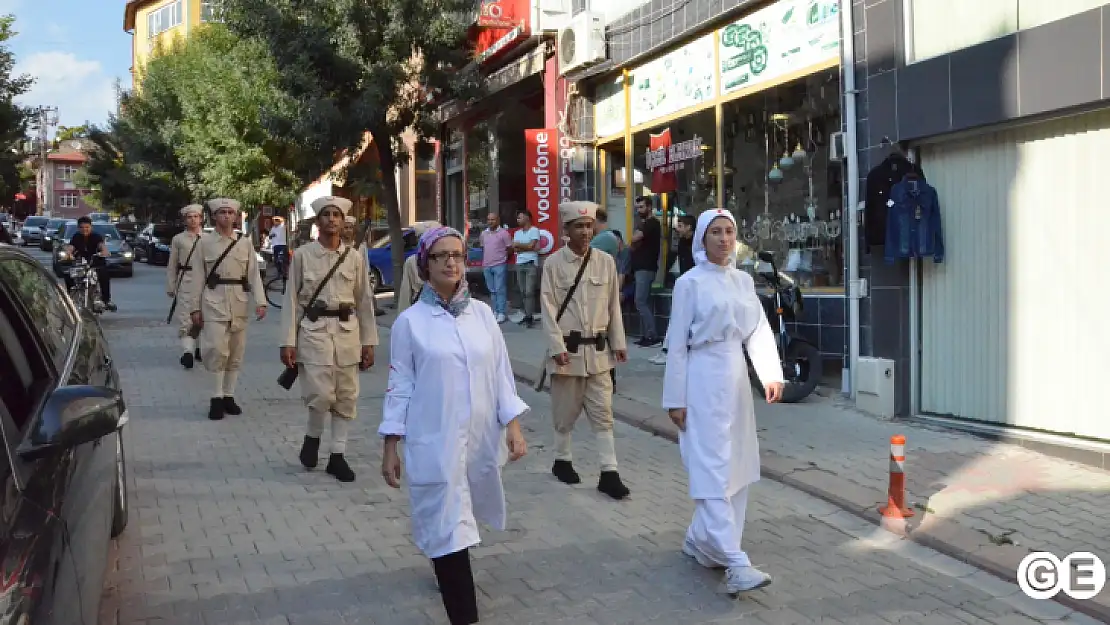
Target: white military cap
319,204
573,211
350,219
192,208
420,227
223,202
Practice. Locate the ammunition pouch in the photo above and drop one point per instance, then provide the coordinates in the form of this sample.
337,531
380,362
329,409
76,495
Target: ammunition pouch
574,340
319,309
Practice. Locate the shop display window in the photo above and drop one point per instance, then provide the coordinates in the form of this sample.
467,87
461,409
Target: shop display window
616,181
480,161
779,182
695,177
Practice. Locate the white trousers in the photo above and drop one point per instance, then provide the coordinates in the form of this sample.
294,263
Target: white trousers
718,527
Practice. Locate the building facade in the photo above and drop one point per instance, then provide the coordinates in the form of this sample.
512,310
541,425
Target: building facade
64,198
157,22
1003,104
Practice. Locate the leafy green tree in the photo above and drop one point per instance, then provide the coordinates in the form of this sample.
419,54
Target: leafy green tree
66,133
357,66
13,118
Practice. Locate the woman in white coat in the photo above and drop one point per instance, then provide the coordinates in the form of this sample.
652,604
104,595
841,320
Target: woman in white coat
715,315
452,399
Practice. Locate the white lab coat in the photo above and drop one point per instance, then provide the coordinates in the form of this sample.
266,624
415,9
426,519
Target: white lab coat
715,313
451,394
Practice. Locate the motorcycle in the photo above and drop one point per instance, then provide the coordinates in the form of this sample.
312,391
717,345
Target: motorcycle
86,284
801,360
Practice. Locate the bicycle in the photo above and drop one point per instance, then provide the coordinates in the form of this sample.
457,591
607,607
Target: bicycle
275,290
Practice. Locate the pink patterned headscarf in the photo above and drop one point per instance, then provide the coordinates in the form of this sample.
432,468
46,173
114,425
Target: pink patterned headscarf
427,241
461,298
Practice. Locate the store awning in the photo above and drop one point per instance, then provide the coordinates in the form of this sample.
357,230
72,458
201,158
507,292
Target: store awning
528,65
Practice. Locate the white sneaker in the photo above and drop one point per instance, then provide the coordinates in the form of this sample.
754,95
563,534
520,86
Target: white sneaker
700,557
501,318
744,578
659,359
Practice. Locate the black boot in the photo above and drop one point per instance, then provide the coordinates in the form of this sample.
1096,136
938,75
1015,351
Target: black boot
196,355
610,483
310,452
187,360
216,409
564,470
338,468
230,407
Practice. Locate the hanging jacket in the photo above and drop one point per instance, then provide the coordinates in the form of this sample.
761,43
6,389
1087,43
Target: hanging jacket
880,180
913,228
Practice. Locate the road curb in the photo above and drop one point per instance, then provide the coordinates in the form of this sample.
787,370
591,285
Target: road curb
969,546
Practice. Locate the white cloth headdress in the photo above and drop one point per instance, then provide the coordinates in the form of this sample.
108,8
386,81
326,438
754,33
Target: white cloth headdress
706,218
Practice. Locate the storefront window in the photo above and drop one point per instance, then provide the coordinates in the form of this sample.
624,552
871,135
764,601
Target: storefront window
479,166
779,181
616,187
690,159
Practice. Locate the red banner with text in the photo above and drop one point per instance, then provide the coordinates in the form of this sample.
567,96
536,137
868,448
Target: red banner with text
663,178
541,147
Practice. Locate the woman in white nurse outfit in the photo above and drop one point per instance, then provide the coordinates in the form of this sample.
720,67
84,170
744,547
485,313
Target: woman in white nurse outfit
715,315
452,399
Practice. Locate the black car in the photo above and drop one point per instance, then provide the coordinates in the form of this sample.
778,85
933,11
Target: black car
64,479
50,232
153,243
119,261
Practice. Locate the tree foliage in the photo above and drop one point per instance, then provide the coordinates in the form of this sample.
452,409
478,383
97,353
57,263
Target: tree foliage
13,118
66,133
356,66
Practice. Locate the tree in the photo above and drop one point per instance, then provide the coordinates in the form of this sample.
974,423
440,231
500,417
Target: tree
66,133
13,118
357,66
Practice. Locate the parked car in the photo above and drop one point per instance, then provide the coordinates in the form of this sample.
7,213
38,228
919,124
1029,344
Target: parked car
120,263
152,245
379,256
31,232
101,218
64,473
129,230
50,232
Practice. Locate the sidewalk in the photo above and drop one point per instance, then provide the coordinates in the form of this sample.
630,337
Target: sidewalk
988,504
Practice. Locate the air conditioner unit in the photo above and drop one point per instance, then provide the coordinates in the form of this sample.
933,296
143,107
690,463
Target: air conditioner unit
836,146
582,42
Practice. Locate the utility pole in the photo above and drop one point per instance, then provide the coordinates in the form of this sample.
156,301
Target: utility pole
45,118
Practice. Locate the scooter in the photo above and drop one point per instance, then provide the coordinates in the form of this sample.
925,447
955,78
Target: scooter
801,360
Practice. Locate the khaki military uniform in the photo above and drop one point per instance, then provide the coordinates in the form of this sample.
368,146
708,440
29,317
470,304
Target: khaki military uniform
192,279
410,286
584,383
226,308
329,349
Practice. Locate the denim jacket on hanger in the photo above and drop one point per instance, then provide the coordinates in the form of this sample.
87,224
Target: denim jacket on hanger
913,228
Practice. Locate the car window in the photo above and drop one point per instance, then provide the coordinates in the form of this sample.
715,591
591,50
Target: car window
35,221
107,231
26,378
38,294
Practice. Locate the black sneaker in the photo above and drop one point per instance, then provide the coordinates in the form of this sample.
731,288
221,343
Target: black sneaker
564,470
187,360
339,469
232,408
610,483
310,452
646,342
216,409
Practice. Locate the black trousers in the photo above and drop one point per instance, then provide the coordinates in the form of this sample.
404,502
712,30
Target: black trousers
456,585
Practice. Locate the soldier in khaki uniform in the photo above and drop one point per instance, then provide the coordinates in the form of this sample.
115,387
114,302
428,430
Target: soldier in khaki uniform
221,303
336,335
184,278
583,344
409,288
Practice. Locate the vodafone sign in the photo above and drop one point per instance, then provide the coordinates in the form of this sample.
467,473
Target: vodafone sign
503,13
542,178
501,26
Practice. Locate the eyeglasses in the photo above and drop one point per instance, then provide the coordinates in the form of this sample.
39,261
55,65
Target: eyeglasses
441,257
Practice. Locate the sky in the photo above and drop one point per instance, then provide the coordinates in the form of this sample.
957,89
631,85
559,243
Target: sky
75,50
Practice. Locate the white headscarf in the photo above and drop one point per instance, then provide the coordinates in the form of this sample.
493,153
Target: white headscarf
707,217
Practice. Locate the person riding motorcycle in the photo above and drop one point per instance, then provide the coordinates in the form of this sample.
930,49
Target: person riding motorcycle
90,246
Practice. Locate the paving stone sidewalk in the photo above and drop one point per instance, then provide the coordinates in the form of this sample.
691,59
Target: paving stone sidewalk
982,501
227,528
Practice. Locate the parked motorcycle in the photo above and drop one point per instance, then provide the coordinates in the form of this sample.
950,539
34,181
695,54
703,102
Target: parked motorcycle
801,360
86,285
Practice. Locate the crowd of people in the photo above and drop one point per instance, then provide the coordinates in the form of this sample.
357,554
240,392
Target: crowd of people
452,414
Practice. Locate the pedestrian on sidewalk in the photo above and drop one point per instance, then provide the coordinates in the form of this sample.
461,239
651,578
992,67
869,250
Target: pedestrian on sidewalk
231,276
497,243
647,243
526,244
411,284
685,259
328,304
580,301
715,315
452,398
279,245
184,279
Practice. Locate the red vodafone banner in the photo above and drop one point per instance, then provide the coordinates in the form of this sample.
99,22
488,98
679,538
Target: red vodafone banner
541,164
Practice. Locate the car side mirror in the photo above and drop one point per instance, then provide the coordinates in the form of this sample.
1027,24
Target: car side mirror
72,416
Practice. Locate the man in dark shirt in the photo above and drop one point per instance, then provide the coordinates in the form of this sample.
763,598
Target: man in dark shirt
646,245
90,246
685,249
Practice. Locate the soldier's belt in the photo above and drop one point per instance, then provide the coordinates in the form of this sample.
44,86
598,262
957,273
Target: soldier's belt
184,268
343,313
574,340
243,282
